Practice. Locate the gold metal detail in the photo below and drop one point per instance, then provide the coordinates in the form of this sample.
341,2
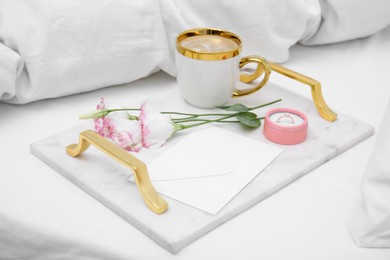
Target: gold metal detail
145,187
262,67
316,91
208,55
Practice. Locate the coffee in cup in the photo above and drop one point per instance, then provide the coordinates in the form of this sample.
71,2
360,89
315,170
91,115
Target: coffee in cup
208,67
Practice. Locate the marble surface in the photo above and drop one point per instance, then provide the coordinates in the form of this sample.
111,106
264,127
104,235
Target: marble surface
107,181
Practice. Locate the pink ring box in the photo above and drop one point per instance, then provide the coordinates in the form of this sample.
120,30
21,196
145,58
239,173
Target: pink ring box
294,132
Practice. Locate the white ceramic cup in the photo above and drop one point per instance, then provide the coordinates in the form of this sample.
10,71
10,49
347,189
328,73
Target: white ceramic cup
208,67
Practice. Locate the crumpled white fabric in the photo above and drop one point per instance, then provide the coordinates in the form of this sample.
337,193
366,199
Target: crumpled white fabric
75,46
344,20
53,48
369,224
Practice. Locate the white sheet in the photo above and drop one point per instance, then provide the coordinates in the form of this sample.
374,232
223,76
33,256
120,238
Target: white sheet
347,19
11,67
68,47
369,223
75,46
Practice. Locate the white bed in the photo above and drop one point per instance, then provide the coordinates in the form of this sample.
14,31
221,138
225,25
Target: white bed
44,216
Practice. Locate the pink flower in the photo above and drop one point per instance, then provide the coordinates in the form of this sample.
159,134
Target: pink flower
119,128
156,127
127,134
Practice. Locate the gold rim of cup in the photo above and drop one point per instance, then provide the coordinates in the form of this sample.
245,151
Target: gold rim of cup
207,55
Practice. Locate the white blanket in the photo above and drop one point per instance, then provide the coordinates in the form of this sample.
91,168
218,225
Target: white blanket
44,217
369,224
55,48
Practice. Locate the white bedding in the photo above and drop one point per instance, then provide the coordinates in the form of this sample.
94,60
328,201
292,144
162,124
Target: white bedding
44,216
369,223
55,48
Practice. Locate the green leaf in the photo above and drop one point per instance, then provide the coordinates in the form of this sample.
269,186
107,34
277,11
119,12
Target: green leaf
246,115
235,107
249,119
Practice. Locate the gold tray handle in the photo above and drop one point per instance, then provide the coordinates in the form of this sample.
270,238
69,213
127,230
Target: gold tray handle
145,187
316,91
266,67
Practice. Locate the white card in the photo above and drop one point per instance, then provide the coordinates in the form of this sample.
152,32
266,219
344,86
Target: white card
202,188
201,153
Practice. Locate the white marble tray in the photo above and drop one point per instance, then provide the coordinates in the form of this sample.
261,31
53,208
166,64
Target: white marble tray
107,181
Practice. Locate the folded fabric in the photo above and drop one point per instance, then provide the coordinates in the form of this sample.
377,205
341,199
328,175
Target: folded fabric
11,67
344,20
65,47
75,46
369,224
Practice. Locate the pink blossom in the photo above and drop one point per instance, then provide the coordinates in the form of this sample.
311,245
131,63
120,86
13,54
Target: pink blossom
119,128
127,134
156,127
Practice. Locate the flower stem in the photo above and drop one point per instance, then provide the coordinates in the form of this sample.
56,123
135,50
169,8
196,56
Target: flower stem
264,105
190,117
184,119
220,114
122,109
194,115
178,121
208,121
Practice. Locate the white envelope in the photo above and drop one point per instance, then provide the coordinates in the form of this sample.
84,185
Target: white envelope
209,166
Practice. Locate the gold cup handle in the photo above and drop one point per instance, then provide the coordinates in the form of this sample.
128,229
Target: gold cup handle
262,67
142,180
266,67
